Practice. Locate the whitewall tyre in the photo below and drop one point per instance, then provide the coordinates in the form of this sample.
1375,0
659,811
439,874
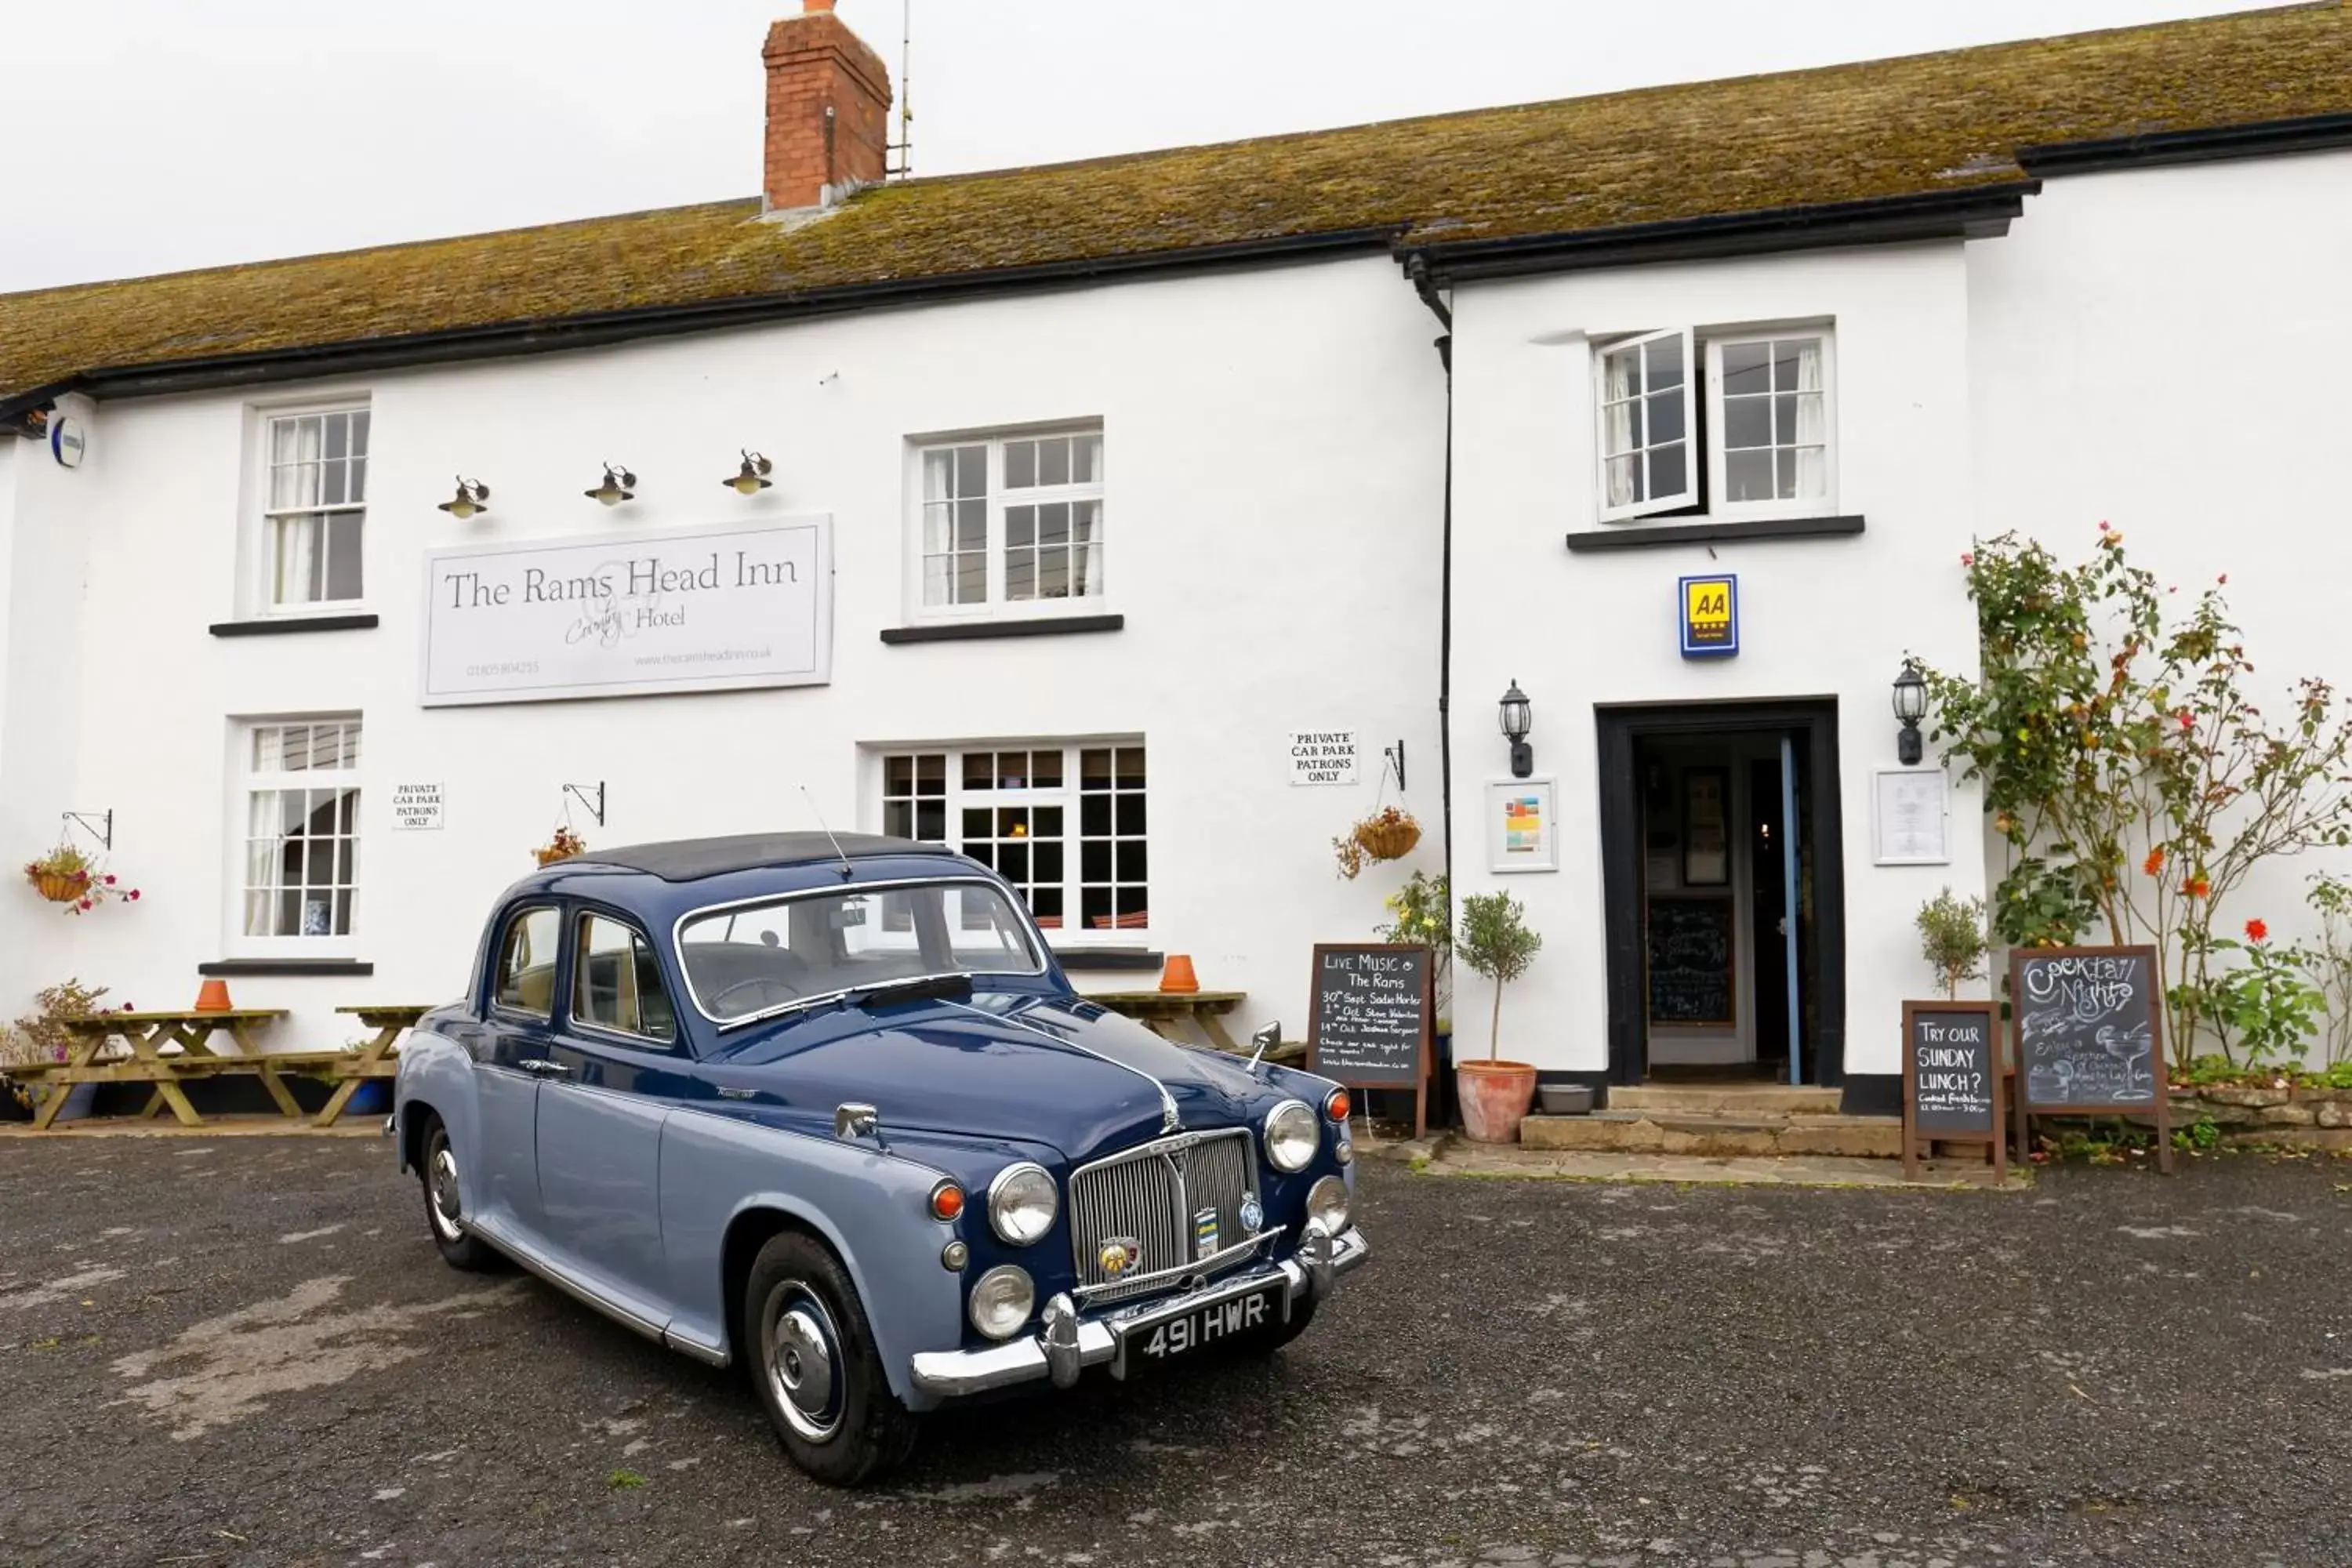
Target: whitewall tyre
809,1353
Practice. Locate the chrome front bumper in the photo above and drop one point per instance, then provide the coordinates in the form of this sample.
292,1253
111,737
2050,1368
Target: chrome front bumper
1067,1343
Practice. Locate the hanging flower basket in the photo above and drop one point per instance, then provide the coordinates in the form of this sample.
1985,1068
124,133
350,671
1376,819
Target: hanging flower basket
67,875
563,846
1386,834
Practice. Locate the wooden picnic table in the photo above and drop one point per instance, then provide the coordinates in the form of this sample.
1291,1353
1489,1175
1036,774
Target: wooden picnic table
147,1035
389,1021
1163,1012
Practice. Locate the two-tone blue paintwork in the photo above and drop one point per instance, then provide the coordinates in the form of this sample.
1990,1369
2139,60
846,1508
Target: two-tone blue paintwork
636,1174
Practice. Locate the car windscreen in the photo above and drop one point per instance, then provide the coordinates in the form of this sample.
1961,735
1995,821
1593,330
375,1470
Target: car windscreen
745,958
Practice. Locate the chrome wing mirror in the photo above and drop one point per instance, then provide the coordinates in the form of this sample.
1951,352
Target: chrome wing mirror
854,1120
1265,1039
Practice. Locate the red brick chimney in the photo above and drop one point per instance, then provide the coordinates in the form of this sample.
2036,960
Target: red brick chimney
828,111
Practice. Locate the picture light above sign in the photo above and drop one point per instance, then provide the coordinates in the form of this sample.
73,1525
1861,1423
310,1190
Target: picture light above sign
698,610
1710,617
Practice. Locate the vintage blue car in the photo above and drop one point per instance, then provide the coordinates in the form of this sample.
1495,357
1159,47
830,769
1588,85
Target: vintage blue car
827,1107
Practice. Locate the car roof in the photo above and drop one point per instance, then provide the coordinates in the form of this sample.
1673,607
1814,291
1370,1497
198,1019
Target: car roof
692,859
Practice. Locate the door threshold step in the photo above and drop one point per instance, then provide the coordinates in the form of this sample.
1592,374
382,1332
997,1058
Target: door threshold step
1721,1135
1736,1096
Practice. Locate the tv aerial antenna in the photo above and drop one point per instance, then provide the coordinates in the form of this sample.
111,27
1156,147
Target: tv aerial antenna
903,149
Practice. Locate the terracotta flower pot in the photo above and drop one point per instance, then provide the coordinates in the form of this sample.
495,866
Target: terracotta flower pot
1495,1099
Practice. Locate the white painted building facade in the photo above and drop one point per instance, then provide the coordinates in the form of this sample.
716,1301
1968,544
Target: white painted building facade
1215,512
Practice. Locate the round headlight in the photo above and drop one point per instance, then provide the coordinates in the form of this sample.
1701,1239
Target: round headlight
1002,1300
1022,1202
1326,1204
1291,1135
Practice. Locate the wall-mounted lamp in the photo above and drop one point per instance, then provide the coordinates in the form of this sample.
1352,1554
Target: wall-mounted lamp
472,496
1910,707
753,479
1519,720
619,485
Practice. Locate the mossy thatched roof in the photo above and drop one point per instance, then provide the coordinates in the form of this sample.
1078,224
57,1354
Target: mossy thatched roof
1922,124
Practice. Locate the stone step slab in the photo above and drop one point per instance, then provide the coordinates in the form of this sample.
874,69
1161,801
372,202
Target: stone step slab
1721,1098
1718,1136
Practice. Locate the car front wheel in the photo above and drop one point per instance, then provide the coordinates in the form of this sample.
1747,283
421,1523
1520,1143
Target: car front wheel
814,1365
444,1209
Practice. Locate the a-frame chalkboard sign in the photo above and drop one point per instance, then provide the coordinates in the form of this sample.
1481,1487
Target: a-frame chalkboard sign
2087,1025
1952,1082
1370,1024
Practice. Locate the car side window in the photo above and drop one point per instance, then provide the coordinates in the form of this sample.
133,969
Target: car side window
526,971
617,984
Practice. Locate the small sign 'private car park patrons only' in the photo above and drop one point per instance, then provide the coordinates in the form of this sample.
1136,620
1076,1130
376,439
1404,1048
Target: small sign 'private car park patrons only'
828,1109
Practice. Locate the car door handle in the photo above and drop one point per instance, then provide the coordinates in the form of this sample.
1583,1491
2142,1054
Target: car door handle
545,1067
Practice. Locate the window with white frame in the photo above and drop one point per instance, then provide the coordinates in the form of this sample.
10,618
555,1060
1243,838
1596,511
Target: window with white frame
1011,523
300,781
314,506
1761,404
1063,822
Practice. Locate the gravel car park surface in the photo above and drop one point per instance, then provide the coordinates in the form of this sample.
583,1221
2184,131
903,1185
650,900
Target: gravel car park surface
246,1351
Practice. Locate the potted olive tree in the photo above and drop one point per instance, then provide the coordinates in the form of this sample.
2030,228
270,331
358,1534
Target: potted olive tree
1494,941
1952,938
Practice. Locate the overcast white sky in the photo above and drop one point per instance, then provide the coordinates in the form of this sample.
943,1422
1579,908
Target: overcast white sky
152,135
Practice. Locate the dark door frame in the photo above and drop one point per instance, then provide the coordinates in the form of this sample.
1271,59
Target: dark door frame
1823,974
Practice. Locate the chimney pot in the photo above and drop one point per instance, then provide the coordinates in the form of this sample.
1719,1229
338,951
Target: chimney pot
828,111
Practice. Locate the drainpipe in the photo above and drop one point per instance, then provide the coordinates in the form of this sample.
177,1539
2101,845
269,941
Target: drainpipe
1417,269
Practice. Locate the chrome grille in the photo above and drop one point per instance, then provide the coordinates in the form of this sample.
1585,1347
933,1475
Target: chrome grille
1153,1194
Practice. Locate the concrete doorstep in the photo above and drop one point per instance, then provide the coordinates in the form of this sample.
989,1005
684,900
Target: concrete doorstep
1460,1157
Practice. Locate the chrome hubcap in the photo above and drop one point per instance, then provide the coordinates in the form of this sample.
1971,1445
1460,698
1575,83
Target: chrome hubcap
799,1350
444,1189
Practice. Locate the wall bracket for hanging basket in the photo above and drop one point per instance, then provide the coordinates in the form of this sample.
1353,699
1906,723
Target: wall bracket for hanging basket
595,808
98,825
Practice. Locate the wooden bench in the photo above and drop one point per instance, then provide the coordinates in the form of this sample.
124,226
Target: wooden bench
149,1035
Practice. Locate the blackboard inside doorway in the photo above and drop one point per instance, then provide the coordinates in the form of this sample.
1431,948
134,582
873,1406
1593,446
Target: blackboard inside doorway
1953,1091
1373,1016
2087,1032
1691,978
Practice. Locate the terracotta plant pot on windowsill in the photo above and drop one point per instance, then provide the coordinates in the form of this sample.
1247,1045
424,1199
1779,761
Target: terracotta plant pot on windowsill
1495,1099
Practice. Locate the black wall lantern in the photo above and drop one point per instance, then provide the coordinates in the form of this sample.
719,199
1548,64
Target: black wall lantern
1910,707
1519,720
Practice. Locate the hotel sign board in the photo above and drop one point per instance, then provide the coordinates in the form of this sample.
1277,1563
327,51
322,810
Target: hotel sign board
1710,617
717,609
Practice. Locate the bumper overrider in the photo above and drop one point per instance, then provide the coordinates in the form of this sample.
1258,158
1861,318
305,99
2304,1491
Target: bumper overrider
1067,1343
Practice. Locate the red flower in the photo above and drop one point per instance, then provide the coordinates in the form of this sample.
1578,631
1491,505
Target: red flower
2224,579
2197,888
1967,558
134,893
2154,864
2103,525
83,905
2188,722
109,879
2257,931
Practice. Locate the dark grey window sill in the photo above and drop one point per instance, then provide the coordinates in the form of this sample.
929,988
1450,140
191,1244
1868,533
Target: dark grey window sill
282,626
1633,536
1108,958
1043,626
286,966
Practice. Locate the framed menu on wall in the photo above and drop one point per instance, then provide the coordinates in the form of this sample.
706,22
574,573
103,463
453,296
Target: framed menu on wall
1911,811
1706,848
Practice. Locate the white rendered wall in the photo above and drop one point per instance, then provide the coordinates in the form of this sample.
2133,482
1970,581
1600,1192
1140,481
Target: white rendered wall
2167,351
1274,448
1821,619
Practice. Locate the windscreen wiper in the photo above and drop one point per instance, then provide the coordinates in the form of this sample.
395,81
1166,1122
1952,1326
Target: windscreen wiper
909,988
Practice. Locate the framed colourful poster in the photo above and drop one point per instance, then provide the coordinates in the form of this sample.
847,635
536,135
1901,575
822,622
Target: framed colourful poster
1522,825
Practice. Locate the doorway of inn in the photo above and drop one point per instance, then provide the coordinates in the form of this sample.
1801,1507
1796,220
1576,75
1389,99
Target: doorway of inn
1723,884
